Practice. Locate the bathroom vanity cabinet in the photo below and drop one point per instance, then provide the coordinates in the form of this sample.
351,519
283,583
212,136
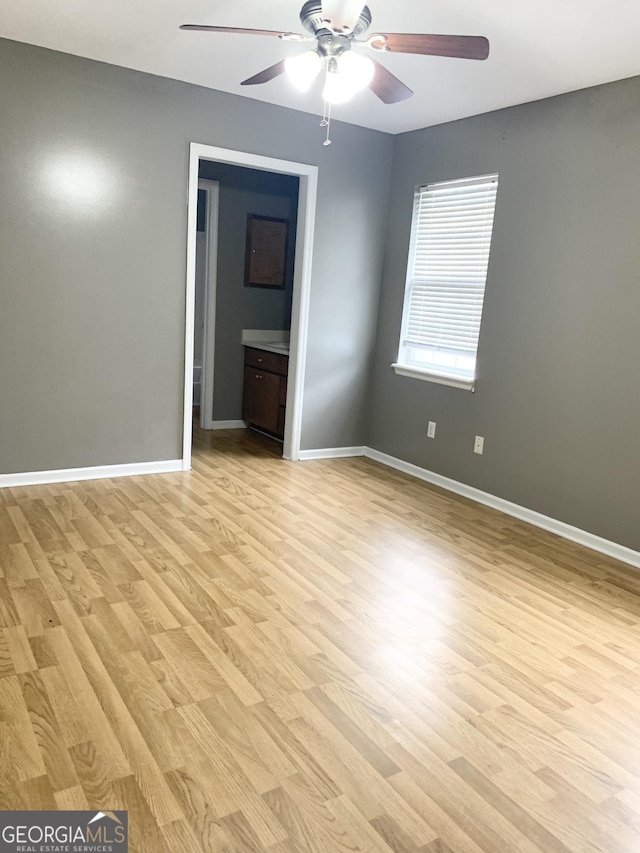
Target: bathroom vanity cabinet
265,390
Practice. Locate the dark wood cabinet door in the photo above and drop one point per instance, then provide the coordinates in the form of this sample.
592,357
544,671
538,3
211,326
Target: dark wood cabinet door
261,399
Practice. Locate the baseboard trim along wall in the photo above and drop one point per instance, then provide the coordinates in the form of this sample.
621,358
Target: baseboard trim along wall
99,472
227,425
332,453
169,466
560,528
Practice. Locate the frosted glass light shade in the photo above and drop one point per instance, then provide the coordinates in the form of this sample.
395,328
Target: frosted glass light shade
356,70
346,75
336,89
303,69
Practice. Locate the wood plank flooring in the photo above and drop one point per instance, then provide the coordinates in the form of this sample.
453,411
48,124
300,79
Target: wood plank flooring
324,656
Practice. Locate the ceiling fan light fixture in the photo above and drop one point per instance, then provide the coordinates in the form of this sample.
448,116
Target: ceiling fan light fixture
337,26
303,69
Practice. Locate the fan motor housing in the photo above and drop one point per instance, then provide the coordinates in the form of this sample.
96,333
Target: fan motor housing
313,20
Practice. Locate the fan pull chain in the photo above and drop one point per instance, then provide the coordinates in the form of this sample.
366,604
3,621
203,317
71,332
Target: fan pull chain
323,123
326,122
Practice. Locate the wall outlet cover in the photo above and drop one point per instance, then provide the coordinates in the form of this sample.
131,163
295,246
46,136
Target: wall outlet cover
478,445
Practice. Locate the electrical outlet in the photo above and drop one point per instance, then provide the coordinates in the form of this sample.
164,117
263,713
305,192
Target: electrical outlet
431,429
478,445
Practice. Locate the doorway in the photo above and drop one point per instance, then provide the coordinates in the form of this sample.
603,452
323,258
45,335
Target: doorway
304,229
205,300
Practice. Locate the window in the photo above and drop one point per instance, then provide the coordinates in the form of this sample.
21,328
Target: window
446,275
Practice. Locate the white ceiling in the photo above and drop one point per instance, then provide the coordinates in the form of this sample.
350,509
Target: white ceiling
538,48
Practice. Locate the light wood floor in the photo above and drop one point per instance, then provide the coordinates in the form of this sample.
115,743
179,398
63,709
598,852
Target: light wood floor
324,656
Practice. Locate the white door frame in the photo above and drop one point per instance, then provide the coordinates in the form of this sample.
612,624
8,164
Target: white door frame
209,308
305,228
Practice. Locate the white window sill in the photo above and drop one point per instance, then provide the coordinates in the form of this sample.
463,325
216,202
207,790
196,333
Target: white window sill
438,378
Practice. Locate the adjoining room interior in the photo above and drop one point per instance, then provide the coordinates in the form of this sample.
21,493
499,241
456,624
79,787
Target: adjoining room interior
249,318
409,620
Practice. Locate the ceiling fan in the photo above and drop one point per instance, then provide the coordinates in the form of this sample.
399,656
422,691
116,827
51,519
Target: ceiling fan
336,26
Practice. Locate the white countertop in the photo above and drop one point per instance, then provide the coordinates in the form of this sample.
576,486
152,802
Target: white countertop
270,340
269,346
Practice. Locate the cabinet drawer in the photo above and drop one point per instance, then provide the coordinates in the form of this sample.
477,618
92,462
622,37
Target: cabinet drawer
260,401
266,360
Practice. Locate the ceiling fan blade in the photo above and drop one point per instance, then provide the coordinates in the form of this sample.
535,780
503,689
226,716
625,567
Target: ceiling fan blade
461,47
387,87
343,14
266,75
206,29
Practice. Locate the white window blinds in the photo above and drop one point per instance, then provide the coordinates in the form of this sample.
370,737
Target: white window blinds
447,271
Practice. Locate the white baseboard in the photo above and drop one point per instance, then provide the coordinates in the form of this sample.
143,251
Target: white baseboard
332,453
99,472
566,531
168,466
227,425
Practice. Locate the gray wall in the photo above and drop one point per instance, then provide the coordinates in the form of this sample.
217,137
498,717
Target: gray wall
244,191
557,396
93,178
